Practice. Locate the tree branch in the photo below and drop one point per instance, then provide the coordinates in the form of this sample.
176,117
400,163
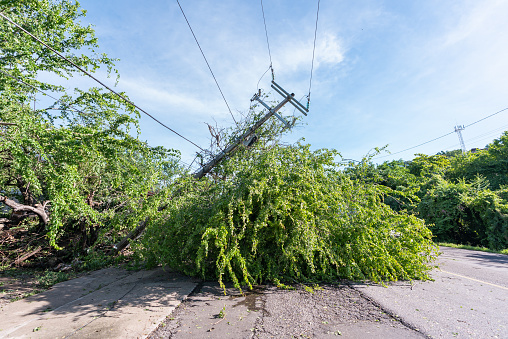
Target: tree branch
39,209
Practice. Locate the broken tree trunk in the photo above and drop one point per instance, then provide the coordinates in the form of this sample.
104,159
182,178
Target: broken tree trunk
38,209
132,235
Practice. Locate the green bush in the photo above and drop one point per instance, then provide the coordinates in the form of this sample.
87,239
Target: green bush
491,163
466,213
287,214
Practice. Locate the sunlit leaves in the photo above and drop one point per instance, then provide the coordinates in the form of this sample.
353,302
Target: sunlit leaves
82,155
287,214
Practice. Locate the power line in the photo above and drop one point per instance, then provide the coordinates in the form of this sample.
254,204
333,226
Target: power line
52,97
97,80
471,124
313,53
204,57
270,67
267,42
39,90
27,84
407,149
486,117
484,136
488,134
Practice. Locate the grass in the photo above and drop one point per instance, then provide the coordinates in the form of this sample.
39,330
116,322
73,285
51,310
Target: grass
47,279
42,278
475,248
34,280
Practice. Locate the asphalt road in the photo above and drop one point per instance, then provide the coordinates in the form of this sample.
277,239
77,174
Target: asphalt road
329,311
467,299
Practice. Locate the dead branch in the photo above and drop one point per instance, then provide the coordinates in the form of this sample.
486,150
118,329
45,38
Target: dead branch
27,255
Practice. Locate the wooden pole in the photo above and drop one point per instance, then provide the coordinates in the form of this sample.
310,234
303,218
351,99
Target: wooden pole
211,164
231,148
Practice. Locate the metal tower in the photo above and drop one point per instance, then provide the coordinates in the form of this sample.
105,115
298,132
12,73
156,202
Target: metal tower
458,130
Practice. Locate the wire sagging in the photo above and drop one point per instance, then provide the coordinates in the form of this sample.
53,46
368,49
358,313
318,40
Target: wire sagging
204,57
471,124
267,42
313,53
97,80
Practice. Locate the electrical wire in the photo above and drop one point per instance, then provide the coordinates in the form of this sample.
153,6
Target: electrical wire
52,97
313,53
204,57
189,166
27,84
39,90
410,148
504,109
486,135
97,80
471,124
257,86
267,42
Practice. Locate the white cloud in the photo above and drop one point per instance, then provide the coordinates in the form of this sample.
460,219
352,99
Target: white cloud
156,96
296,55
477,21
329,50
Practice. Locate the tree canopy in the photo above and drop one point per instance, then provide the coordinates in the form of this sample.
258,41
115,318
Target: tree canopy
76,163
462,197
287,214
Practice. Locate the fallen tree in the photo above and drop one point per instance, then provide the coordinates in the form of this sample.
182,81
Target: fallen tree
286,214
38,209
76,164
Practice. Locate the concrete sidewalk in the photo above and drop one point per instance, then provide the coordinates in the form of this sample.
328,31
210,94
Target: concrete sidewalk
110,303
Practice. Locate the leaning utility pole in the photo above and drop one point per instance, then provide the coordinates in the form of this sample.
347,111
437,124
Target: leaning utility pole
246,138
458,130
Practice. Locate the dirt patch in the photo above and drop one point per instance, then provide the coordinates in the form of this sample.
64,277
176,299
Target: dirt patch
15,288
268,312
18,282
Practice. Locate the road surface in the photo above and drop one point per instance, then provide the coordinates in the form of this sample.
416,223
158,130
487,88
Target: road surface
468,299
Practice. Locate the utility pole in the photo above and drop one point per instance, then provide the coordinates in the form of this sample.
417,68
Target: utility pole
246,138
458,130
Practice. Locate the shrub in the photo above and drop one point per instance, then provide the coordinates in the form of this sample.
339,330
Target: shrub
287,214
466,213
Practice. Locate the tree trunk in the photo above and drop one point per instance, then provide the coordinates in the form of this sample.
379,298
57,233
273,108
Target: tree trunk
38,209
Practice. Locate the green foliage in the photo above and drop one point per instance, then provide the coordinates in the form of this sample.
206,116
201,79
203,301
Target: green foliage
80,158
464,197
466,213
491,163
444,207
400,188
287,214
47,279
426,166
222,313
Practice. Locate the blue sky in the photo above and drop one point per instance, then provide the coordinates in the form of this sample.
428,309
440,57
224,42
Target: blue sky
386,72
